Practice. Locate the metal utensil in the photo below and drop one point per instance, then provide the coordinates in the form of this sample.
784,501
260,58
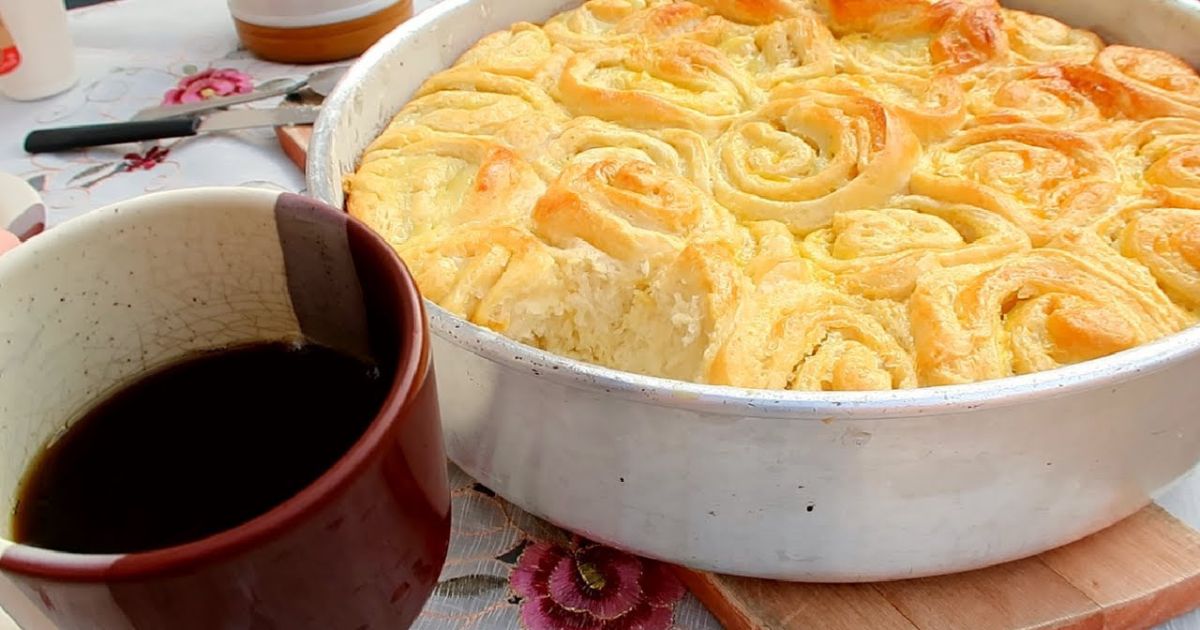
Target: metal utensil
65,138
321,82
274,87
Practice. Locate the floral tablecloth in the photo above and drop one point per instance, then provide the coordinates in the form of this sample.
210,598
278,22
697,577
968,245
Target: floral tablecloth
506,569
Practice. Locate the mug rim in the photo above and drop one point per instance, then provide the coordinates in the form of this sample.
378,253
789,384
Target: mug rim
412,367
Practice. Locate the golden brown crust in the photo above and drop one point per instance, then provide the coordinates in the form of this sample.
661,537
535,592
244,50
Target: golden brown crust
801,194
800,159
1039,178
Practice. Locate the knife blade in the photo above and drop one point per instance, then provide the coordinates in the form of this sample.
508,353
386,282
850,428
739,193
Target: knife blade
274,87
66,138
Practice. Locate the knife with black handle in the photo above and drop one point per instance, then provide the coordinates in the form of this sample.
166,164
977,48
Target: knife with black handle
67,138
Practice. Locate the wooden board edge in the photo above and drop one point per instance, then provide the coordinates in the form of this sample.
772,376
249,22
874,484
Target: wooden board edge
730,611
294,142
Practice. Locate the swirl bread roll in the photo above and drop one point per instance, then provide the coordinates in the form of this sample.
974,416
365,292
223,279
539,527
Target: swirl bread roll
521,51
759,12
1040,40
918,37
440,181
1140,84
795,332
1044,309
678,83
934,107
503,108
464,270
880,253
1039,95
677,151
1164,84
799,160
630,210
609,23
676,323
784,51
1041,179
1160,160
1164,240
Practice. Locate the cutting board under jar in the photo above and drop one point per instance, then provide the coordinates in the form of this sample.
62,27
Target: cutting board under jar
1135,574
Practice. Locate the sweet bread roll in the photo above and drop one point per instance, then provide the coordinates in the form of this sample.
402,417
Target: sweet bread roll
628,209
521,51
1040,40
609,23
881,252
918,37
801,194
674,325
759,11
933,107
460,268
1041,179
678,83
1160,160
795,332
1164,240
784,51
505,108
1044,309
438,180
799,160
1039,95
677,151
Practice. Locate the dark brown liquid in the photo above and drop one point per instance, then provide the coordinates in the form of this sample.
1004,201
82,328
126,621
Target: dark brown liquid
197,448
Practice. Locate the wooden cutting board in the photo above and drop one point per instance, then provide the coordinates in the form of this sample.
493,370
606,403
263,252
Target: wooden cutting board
1135,574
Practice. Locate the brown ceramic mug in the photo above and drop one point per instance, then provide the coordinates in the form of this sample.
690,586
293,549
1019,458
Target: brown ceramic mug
99,300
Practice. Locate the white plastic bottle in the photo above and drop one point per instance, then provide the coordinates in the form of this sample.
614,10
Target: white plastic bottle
37,56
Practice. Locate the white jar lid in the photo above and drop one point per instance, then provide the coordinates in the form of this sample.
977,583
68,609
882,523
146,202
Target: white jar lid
303,13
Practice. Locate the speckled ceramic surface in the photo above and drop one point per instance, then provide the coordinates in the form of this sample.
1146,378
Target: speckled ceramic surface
89,306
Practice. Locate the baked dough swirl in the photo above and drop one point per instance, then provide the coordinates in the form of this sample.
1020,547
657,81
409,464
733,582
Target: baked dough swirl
1040,95
1160,160
801,194
785,51
795,332
1041,179
608,23
447,180
799,160
1040,40
933,107
1047,308
1164,240
917,37
880,253
677,151
677,83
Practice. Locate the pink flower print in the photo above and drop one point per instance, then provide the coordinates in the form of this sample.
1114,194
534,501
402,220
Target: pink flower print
592,587
146,161
208,84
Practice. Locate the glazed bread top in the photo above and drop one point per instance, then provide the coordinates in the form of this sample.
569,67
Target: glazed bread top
796,194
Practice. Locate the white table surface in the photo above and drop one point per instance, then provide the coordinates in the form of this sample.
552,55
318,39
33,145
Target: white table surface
129,53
